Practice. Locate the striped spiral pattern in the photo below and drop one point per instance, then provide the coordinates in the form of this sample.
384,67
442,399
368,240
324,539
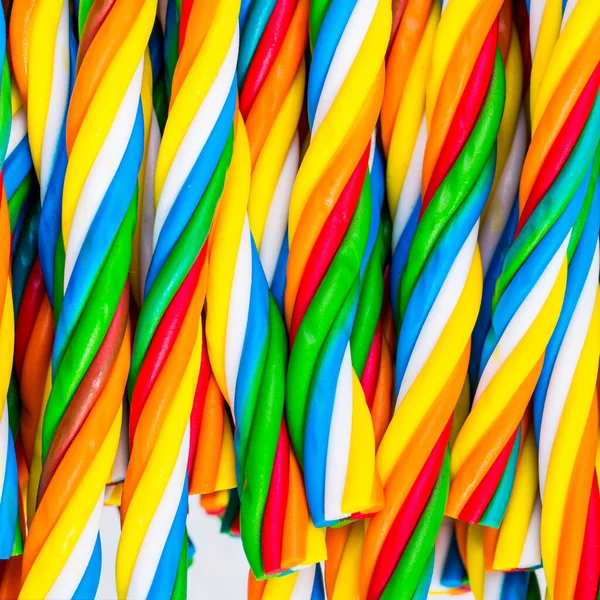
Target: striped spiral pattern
45,85
91,352
530,290
449,575
306,584
192,161
247,346
328,231
9,487
438,297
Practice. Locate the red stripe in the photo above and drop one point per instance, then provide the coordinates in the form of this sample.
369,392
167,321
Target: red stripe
162,342
475,507
33,294
328,242
198,406
274,517
562,147
466,114
186,9
370,373
407,518
266,53
588,580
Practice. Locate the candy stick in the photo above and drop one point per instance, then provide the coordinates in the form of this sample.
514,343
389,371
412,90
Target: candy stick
46,121
91,353
190,171
449,574
9,509
305,584
328,235
531,287
439,279
566,417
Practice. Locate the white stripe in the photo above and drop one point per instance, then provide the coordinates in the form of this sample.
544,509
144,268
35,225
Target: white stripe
303,585
73,570
156,536
531,554
18,130
237,318
536,12
196,136
338,445
442,546
492,587
3,446
440,313
276,223
147,224
57,107
522,319
564,369
103,171
505,195
345,53
411,190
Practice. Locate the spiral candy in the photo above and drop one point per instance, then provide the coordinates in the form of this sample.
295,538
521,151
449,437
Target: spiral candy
306,584
328,229
8,464
531,287
190,171
91,352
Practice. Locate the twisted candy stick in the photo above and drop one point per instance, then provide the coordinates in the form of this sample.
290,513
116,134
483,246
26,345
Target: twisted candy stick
193,158
438,298
247,346
82,420
33,50
449,574
9,510
530,290
566,418
328,235
306,584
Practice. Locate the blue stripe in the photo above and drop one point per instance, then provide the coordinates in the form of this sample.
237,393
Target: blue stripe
530,272
333,26
438,266
279,277
515,585
17,166
193,189
318,591
454,573
88,586
9,505
422,591
399,259
373,185
253,22
320,407
577,274
166,571
99,239
494,513
252,361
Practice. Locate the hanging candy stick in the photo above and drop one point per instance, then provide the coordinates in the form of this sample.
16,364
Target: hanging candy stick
46,118
192,162
91,353
306,584
9,508
247,346
328,235
439,292
566,417
530,289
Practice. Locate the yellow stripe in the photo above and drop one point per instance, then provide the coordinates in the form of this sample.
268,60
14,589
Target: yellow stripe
347,580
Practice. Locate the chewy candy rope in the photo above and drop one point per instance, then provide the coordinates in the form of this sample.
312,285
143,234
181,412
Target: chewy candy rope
190,171
9,486
329,224
439,296
530,289
305,584
91,353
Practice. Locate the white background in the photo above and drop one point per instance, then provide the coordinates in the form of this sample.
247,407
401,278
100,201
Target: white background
219,572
